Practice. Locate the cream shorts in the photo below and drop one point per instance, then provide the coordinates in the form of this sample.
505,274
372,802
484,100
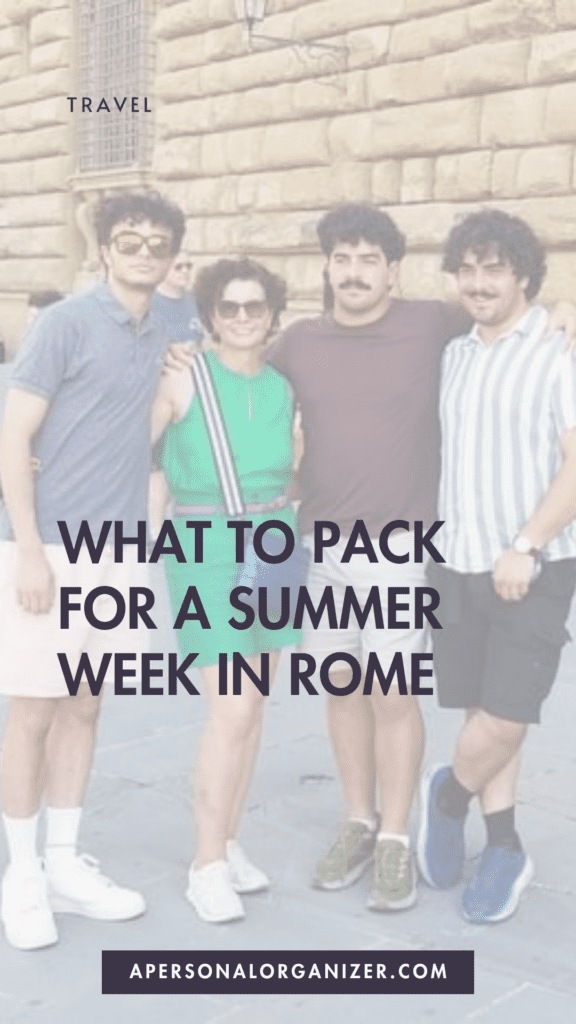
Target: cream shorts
30,643
361,575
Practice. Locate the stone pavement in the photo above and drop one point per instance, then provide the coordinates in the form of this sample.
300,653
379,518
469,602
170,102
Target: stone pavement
138,824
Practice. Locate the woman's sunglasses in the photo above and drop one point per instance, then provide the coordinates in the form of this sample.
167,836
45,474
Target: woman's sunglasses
229,310
128,243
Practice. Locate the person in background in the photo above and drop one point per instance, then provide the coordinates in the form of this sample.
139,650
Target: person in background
173,302
41,300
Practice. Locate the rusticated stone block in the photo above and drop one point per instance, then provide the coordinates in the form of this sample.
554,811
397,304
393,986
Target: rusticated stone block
326,18
50,111
553,218
545,171
175,54
188,118
559,281
10,41
179,85
255,106
422,278
178,158
51,55
51,174
461,176
50,141
486,67
566,12
426,36
505,172
51,25
367,46
419,130
20,211
417,179
510,17
206,195
213,158
52,240
561,112
56,82
36,273
10,68
18,90
513,118
184,18
386,178
553,58
17,118
427,231
300,144
243,149
408,82
320,96
16,179
304,276
306,188
416,7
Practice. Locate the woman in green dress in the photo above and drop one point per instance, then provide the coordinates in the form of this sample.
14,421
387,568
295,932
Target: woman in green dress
239,302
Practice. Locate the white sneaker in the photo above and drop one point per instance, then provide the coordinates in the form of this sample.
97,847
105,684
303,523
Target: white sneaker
79,888
211,894
244,875
26,914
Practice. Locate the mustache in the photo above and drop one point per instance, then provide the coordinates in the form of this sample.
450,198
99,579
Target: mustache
481,295
353,282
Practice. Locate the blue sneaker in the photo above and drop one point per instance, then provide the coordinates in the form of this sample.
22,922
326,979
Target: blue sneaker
440,846
493,894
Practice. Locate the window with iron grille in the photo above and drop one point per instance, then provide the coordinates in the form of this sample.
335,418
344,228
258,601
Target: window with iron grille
114,60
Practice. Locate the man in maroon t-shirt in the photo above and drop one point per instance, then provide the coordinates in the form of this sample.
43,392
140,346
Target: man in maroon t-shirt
366,377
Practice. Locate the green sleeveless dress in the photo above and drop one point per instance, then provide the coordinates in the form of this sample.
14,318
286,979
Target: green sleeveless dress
258,413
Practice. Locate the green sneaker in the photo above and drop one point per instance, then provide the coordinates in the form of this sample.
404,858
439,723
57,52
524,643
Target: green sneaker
394,885
348,858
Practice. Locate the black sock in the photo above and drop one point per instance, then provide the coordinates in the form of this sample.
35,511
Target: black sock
453,798
501,831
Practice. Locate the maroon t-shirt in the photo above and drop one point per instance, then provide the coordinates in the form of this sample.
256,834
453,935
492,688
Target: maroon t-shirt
368,397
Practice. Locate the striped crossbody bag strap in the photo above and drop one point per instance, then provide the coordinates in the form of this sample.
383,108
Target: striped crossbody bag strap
223,459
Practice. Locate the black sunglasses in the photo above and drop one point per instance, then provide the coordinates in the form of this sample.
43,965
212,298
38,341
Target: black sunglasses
128,243
229,310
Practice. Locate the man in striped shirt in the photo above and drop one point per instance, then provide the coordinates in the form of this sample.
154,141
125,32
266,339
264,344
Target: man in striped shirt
508,498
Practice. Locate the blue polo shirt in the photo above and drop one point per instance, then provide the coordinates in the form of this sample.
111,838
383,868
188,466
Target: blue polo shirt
99,369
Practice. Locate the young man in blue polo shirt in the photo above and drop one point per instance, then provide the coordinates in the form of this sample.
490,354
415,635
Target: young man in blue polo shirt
508,501
75,446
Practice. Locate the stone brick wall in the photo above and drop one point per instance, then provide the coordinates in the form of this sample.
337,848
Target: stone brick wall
438,106
36,153
442,105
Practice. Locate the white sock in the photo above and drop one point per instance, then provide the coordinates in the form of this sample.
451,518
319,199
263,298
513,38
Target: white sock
21,841
370,823
395,835
62,827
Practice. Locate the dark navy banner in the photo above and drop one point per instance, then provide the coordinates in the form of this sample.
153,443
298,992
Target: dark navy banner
275,971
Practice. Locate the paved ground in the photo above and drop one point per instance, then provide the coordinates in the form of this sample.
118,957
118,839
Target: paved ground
137,823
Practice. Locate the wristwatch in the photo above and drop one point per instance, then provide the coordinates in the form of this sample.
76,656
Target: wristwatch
523,546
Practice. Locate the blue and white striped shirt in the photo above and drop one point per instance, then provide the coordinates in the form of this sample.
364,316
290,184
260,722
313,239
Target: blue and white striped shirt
503,408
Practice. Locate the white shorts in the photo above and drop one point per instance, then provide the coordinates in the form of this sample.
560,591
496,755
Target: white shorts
361,575
30,643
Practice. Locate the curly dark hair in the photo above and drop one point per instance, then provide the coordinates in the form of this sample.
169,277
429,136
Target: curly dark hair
496,233
354,221
211,282
136,207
